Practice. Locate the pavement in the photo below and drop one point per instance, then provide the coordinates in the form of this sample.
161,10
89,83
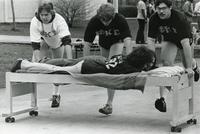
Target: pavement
133,112
14,39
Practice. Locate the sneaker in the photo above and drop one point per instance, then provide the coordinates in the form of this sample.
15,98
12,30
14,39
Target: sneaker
16,66
107,109
196,73
143,43
160,104
55,101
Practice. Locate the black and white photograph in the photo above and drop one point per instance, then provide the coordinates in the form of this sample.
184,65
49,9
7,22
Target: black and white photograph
100,66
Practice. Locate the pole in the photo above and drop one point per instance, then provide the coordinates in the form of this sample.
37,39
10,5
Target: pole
13,15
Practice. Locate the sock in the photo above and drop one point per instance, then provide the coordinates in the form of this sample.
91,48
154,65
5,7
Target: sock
56,90
194,65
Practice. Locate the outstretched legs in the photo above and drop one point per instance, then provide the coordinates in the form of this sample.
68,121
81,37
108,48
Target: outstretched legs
34,66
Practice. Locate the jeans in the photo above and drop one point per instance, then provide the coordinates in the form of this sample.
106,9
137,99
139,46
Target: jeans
140,32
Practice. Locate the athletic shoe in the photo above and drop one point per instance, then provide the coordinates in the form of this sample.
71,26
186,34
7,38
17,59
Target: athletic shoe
160,104
107,109
55,101
16,66
196,73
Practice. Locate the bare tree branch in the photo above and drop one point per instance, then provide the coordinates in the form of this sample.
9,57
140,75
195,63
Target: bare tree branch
72,10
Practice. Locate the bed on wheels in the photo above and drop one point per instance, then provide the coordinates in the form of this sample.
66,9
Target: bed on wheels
183,97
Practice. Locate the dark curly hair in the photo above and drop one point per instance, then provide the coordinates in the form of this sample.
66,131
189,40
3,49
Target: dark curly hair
167,2
142,58
47,6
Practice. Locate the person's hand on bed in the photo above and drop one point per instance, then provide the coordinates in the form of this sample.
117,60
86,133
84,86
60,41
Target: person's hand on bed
165,71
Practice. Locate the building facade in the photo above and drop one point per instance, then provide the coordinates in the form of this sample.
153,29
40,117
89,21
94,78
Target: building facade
24,9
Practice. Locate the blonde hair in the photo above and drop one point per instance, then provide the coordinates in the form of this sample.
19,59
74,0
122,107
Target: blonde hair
45,5
106,12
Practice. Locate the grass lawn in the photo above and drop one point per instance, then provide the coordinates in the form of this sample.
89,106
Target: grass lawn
23,29
9,54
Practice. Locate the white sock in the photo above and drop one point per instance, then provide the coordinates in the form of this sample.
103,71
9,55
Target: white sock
55,90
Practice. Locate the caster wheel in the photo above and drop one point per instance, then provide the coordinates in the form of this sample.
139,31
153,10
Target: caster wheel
176,129
33,113
194,121
190,121
10,119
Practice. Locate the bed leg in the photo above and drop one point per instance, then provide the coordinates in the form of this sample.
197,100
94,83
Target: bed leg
34,100
9,100
183,109
34,95
191,100
174,107
192,103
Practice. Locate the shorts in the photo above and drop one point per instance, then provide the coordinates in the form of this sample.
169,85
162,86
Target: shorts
93,65
108,45
179,45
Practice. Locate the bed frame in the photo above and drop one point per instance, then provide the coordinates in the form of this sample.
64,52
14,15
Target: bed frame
183,110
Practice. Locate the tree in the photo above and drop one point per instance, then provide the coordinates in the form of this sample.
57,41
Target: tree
72,10
13,16
177,4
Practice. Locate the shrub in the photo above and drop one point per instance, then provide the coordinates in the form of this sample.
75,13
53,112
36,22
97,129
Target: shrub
72,10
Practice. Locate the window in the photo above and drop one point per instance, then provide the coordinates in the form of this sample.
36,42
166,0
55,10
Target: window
128,7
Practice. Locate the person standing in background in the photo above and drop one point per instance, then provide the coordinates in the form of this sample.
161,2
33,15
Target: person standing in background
150,8
188,10
197,13
142,19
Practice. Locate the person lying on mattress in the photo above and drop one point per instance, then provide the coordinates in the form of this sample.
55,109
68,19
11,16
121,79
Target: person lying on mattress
140,59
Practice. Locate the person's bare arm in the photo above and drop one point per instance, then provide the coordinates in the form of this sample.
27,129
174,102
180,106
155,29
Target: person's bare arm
68,49
151,43
128,45
187,56
86,48
36,56
187,52
144,14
